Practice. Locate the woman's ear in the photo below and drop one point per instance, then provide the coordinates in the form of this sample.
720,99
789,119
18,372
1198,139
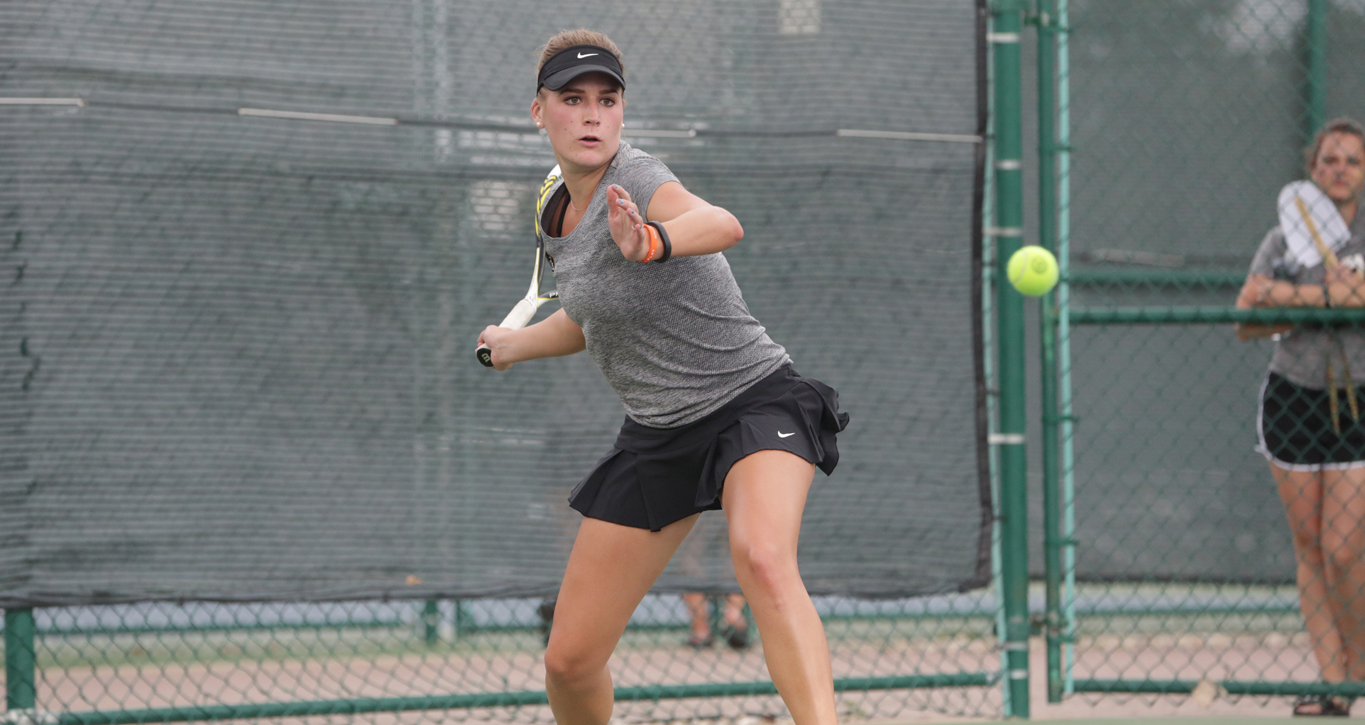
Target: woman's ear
536,112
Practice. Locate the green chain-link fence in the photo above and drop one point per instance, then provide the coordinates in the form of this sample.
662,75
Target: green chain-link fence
1163,545
249,467
1168,554
475,659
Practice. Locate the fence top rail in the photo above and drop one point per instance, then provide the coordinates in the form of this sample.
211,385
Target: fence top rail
1158,277
1210,315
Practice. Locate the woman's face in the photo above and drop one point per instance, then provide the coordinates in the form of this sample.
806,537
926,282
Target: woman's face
1339,169
583,119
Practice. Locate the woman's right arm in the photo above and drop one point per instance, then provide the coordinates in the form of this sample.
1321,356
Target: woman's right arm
1256,292
1343,288
554,336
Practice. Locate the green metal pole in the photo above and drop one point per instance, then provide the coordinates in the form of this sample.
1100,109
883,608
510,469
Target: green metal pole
1009,217
464,619
431,622
988,252
20,662
1068,462
1046,14
1216,315
1317,67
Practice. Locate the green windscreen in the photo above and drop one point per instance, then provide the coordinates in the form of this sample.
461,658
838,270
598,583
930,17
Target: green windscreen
247,247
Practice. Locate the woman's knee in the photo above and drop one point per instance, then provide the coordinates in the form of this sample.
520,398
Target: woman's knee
1305,528
768,567
1308,543
567,665
1343,553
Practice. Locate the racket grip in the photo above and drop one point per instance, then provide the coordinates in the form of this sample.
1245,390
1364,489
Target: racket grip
515,320
519,316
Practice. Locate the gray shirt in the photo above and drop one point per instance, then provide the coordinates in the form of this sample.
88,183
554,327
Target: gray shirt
1302,353
674,340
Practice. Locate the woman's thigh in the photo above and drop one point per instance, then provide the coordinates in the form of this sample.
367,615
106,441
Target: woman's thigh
1343,513
764,496
1301,492
610,569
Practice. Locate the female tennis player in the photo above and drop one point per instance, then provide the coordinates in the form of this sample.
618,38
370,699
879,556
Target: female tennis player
715,415
1309,422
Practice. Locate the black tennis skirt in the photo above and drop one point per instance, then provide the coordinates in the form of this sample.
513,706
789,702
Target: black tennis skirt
1295,427
655,476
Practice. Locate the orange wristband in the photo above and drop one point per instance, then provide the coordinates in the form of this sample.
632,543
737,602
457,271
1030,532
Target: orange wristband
654,244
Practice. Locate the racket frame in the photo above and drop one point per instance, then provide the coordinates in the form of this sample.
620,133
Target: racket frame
525,309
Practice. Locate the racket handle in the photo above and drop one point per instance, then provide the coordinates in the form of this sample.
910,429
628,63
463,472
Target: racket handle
515,320
520,315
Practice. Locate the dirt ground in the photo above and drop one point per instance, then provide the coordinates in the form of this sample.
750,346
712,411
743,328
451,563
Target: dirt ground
206,674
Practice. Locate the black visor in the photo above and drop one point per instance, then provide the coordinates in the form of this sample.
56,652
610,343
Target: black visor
571,63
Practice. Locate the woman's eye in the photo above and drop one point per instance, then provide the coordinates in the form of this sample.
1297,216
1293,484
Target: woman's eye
609,101
571,100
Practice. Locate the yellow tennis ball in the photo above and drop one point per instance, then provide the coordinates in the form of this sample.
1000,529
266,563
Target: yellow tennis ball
1032,270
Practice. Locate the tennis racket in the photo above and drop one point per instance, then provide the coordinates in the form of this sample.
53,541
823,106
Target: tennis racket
1329,258
526,308
1311,223
1330,261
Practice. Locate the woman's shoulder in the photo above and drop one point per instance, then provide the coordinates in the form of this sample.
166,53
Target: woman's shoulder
633,166
628,158
1274,240
1271,255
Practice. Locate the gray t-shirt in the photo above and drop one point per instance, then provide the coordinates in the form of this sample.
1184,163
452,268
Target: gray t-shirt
1302,353
674,340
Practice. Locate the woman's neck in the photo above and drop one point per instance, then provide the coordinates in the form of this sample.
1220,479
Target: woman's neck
582,186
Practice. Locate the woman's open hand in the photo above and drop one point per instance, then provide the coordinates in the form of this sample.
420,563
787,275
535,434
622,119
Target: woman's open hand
627,225
1255,293
1347,287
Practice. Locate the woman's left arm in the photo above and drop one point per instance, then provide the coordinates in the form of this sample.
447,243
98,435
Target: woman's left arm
694,227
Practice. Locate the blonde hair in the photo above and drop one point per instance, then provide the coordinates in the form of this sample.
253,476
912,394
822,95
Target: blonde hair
1345,125
569,38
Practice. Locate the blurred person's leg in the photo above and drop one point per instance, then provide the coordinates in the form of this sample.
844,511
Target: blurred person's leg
736,624
701,624
1343,547
1302,494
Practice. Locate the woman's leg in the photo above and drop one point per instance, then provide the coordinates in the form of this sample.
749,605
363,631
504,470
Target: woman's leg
701,620
734,611
1302,493
610,569
1343,546
763,497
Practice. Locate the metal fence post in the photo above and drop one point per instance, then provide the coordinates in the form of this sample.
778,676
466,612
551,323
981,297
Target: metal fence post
464,619
431,621
1045,14
20,663
1066,418
1010,324
1316,41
